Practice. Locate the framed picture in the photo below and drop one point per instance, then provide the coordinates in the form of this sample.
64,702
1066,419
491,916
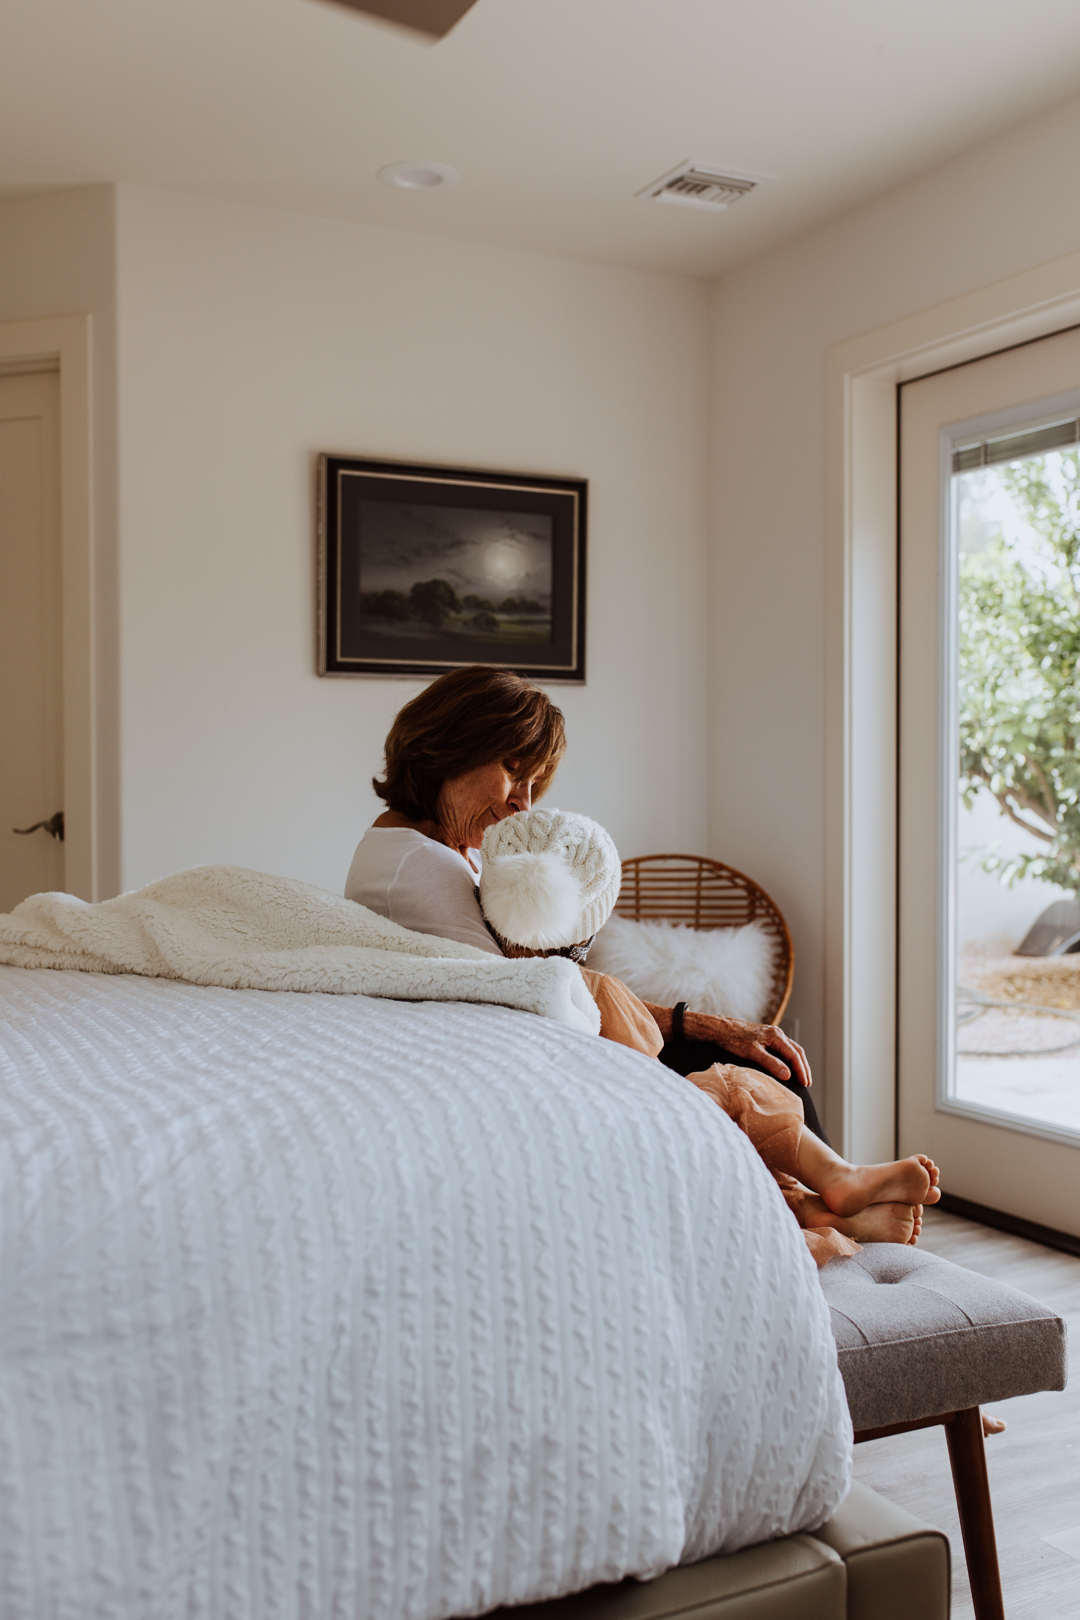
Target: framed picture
422,569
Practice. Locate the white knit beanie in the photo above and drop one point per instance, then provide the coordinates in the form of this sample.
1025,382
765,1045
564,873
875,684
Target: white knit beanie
549,878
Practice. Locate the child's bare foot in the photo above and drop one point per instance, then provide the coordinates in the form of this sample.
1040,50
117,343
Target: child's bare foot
933,1172
916,1232
851,1188
992,1425
880,1223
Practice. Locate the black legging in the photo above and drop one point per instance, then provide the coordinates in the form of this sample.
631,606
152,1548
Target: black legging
691,1057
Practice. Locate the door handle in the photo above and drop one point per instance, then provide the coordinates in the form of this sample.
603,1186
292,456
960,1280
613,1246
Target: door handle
54,827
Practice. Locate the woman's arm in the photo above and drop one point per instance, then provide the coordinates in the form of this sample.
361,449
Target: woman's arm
756,1042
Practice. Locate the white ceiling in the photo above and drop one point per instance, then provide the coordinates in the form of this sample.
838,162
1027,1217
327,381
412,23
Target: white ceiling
555,111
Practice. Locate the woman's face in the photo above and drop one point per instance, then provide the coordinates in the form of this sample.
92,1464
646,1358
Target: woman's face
470,804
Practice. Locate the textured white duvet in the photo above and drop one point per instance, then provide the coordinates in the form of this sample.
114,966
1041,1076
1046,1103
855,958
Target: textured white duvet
326,1306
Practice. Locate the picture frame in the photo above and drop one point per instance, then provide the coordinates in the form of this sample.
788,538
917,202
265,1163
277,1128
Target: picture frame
423,569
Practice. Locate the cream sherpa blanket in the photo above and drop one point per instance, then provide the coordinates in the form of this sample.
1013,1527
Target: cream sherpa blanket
224,925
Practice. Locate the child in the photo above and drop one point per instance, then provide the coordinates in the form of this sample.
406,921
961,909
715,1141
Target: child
549,882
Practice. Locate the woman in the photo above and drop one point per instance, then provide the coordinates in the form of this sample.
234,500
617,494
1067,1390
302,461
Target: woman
476,746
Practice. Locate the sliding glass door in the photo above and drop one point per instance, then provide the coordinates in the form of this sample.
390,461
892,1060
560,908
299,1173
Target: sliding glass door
989,879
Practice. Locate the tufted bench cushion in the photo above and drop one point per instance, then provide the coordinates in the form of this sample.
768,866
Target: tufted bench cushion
917,1336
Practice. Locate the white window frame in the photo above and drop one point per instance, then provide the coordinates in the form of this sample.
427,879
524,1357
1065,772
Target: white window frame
861,675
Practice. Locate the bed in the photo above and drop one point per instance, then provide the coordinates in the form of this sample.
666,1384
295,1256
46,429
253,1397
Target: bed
342,1306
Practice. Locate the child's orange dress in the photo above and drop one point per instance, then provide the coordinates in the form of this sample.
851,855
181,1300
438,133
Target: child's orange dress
769,1115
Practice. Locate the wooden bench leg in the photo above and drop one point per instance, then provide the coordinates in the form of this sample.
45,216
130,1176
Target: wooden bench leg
968,1458
963,1431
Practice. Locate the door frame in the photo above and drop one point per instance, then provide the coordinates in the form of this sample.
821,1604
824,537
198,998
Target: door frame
862,470
63,342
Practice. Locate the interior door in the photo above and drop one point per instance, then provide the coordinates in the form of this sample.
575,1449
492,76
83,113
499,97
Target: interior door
989,771
31,674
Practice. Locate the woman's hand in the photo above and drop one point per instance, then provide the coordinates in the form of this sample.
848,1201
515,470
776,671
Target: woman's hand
766,1044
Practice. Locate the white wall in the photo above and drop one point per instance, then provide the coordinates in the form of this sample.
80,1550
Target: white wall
249,340
57,257
1008,205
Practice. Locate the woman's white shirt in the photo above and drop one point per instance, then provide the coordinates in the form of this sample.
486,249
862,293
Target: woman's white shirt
419,883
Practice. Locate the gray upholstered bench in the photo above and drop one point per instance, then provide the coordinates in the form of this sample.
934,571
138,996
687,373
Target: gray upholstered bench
921,1341
872,1561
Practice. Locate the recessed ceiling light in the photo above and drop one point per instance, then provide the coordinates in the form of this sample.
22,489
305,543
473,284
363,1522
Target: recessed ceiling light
415,176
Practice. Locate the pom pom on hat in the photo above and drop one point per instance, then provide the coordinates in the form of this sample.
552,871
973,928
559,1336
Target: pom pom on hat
532,899
549,878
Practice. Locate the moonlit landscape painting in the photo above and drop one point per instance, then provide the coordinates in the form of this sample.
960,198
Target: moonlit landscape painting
427,572
424,569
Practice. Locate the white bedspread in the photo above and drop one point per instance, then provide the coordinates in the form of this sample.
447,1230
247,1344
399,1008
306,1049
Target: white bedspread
228,926
332,1307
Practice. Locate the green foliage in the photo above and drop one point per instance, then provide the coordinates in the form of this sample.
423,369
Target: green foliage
1019,687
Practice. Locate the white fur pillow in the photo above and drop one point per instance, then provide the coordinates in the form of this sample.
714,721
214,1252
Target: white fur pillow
724,971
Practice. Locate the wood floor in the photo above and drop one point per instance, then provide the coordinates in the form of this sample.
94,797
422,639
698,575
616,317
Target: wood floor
1034,1466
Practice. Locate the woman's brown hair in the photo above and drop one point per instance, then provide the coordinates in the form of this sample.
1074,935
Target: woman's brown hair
468,717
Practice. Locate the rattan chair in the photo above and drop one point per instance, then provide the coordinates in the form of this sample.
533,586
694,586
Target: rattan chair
703,894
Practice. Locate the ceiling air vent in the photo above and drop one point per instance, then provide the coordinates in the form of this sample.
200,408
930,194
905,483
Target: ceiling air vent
702,185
